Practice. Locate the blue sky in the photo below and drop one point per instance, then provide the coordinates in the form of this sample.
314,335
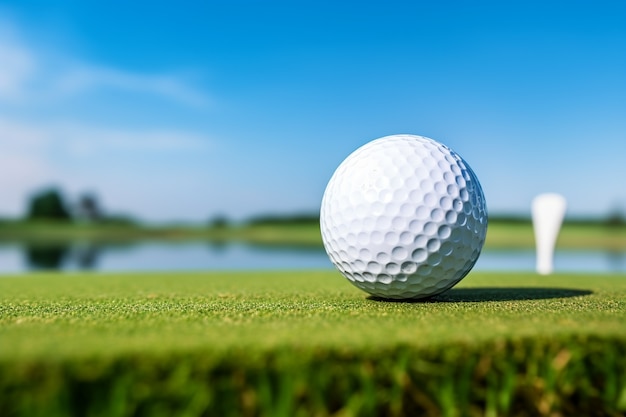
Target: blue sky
184,110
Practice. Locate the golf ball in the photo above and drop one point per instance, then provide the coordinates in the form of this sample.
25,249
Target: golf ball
403,217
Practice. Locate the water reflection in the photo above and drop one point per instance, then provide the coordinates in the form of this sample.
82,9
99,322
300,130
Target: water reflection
86,256
46,256
221,255
616,260
157,256
595,261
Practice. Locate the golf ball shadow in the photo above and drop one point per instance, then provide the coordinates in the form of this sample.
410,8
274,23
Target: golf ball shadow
488,294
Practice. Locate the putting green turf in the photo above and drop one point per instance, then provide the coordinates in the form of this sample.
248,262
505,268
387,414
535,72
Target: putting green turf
52,315
80,326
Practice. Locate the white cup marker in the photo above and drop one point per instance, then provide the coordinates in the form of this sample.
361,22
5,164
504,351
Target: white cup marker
548,211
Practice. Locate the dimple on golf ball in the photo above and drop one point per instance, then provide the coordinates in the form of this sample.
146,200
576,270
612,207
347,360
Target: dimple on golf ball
403,217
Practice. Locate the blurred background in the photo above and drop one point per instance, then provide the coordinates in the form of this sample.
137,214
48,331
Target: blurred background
193,135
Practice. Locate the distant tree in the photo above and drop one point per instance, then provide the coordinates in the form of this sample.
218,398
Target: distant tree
616,219
119,220
88,208
48,205
219,222
285,220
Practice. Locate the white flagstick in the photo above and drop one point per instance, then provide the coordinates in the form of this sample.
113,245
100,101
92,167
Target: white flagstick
548,211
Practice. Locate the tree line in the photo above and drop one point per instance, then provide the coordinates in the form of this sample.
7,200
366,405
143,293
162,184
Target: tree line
50,205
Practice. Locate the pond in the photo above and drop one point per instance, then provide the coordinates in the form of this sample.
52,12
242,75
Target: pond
200,256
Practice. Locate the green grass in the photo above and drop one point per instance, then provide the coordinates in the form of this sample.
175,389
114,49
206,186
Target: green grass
572,236
308,343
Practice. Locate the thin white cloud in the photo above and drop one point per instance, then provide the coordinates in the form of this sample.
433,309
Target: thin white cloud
32,75
81,79
81,139
17,67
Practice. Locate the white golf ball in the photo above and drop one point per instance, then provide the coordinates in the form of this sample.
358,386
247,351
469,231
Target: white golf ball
403,217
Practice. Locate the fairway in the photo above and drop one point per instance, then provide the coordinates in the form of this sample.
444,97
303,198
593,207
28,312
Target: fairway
308,343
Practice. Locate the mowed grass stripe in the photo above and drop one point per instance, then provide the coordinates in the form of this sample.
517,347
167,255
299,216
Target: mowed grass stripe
55,316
